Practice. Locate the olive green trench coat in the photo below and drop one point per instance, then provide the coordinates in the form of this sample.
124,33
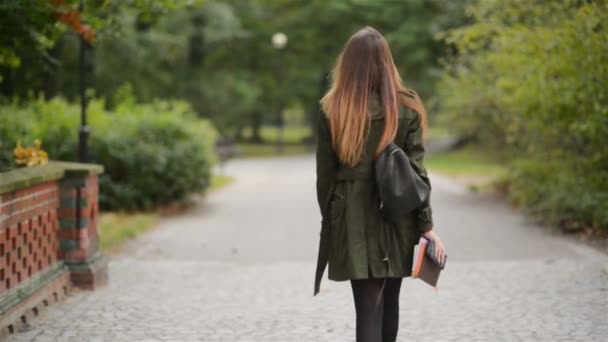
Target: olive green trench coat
352,240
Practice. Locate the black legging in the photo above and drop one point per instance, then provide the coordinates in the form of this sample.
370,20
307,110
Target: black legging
377,323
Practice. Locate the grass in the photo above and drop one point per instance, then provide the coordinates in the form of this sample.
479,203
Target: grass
464,162
115,228
220,181
291,134
270,150
472,167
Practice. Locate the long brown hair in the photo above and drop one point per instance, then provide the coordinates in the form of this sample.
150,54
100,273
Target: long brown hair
365,66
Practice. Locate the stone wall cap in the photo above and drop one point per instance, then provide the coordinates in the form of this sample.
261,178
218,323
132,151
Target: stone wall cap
75,169
29,176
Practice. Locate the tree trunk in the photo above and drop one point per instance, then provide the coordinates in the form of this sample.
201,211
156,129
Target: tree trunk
256,125
316,106
6,74
52,71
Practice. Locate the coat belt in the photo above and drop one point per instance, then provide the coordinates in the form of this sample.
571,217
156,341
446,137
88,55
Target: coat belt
366,173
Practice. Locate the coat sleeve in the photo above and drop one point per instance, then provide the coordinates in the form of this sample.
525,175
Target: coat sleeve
414,148
327,163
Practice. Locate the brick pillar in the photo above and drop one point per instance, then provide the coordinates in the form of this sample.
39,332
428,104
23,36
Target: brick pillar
78,234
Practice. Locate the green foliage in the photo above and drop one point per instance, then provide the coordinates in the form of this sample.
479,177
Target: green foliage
30,27
530,78
561,191
153,153
25,24
217,54
167,141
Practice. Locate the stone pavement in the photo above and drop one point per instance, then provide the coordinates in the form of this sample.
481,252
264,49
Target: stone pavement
240,268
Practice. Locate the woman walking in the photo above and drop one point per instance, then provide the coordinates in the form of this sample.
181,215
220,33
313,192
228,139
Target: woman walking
367,108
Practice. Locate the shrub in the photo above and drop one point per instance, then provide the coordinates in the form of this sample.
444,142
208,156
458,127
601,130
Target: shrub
560,191
529,78
153,153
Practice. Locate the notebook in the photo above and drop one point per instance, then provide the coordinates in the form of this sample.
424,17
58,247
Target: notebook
426,266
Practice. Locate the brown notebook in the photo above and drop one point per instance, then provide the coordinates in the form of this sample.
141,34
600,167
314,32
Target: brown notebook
426,266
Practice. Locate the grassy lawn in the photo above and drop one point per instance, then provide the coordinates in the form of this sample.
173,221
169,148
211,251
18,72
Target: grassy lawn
292,137
220,181
116,228
270,150
464,162
291,134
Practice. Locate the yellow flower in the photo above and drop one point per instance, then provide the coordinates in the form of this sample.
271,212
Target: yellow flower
30,156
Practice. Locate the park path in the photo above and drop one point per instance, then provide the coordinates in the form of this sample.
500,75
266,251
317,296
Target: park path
240,268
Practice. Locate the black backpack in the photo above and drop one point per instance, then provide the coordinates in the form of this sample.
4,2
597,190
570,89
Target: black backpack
401,188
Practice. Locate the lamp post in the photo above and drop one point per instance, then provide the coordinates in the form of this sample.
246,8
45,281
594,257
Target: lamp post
83,133
279,41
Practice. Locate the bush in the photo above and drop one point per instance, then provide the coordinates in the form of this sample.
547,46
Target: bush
54,122
568,195
153,153
529,79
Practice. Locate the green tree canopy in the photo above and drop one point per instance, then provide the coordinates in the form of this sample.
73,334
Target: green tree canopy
217,54
530,79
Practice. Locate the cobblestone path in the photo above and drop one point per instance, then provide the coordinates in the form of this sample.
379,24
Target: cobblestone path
240,268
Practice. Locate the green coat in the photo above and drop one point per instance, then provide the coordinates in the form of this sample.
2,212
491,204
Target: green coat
352,240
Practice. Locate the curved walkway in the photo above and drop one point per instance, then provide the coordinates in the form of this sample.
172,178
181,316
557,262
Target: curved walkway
240,268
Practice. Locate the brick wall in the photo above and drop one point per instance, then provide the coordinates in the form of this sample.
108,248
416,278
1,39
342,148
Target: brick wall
78,236
28,226
48,238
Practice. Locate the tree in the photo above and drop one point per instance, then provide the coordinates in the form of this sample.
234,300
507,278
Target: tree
31,34
218,55
529,80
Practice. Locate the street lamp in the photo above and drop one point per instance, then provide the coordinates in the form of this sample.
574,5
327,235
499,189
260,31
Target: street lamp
83,133
279,41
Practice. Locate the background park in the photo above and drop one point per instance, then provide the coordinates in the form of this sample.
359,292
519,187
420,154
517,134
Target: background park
201,113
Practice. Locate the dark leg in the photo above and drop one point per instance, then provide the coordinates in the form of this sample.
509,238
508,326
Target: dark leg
390,321
369,317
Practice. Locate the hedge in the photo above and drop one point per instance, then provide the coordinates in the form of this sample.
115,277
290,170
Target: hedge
529,80
153,153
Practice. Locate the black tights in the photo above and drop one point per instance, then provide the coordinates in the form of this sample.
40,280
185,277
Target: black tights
377,324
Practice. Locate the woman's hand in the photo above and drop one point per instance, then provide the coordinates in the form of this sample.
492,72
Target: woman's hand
439,247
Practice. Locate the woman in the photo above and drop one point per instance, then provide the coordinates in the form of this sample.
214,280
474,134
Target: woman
366,108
